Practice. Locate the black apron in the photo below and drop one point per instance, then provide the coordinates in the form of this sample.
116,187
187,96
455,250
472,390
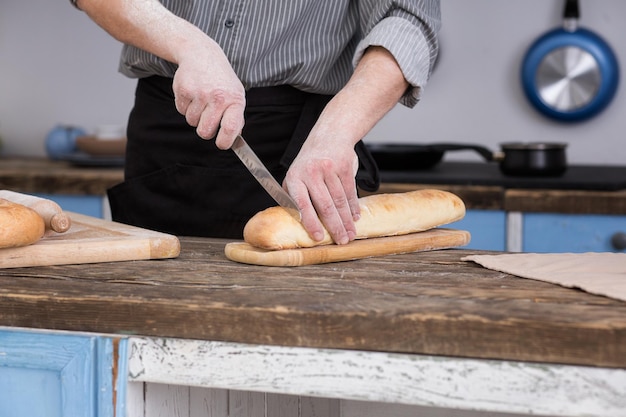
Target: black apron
178,183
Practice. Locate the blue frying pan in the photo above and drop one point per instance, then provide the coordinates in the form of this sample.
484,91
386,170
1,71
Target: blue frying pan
570,73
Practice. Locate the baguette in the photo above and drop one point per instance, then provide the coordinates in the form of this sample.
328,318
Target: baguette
381,215
19,225
53,215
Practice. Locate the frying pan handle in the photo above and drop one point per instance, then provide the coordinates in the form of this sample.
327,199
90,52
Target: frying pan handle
571,11
483,151
571,14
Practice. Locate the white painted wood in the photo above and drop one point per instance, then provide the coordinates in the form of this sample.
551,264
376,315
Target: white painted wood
135,399
457,383
208,402
319,407
246,404
514,231
280,405
369,409
164,400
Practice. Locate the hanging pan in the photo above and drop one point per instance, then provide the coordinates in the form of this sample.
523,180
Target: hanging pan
570,73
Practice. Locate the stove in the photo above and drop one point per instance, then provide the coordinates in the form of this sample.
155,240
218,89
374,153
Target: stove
577,177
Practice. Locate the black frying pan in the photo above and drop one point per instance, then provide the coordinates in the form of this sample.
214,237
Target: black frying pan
514,158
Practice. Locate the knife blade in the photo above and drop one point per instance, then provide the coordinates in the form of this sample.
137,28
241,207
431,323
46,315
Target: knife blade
261,174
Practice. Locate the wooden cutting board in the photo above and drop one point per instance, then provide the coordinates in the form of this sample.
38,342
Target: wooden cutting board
92,240
433,239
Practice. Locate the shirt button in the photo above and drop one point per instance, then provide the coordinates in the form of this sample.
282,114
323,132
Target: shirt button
229,23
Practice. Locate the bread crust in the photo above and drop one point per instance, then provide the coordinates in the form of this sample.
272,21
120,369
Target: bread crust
19,225
381,215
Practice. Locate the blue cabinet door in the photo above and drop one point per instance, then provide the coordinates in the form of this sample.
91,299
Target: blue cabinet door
577,233
90,205
58,375
487,227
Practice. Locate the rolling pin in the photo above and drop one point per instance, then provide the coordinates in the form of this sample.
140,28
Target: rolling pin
53,215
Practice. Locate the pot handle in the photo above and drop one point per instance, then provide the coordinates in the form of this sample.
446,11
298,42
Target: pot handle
571,10
483,151
571,14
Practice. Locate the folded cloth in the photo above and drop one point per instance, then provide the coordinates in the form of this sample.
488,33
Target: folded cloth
601,273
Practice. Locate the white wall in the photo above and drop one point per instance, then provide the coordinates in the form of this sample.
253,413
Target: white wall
475,95
56,66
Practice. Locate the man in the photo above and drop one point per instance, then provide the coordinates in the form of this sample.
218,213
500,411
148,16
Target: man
303,82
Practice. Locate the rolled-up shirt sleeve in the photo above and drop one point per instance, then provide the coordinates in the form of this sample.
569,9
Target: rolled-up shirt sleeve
408,30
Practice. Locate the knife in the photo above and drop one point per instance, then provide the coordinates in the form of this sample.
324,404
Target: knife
261,174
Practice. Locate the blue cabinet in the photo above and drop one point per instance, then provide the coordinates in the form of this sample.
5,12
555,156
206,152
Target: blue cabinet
543,232
45,374
90,205
487,227
578,233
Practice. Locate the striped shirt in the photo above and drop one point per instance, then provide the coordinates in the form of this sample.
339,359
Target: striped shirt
312,45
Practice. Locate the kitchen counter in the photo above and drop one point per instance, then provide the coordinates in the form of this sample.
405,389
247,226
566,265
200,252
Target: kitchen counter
30,175
59,177
380,336
524,200
583,189
576,177
422,303
414,330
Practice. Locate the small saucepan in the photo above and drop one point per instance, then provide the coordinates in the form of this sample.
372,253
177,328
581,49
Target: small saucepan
532,159
515,158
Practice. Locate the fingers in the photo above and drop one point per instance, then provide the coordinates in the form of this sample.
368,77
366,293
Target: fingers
327,199
216,117
215,111
231,126
332,204
182,104
309,220
351,193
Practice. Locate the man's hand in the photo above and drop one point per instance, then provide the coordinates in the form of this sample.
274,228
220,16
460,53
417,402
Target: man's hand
322,177
210,96
206,89
321,181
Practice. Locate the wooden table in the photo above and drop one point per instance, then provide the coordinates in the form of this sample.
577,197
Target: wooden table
423,328
42,175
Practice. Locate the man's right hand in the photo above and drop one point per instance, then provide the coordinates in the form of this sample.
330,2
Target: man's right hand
207,91
210,96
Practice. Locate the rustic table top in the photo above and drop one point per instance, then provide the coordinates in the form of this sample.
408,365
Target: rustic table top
427,303
40,175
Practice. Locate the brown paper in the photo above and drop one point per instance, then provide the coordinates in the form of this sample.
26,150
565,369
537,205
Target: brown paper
602,273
